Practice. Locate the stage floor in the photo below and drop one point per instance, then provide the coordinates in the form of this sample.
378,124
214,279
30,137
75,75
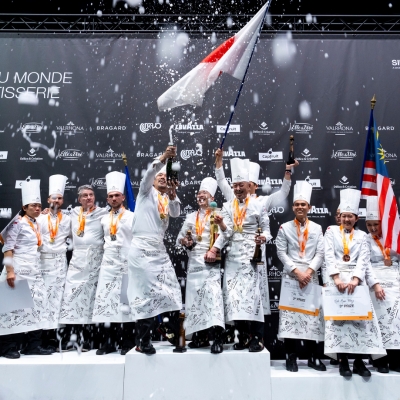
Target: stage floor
196,374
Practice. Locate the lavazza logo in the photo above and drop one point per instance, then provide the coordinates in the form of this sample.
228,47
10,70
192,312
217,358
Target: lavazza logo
233,129
344,184
270,156
306,156
263,129
98,183
3,156
315,183
70,129
149,126
234,153
189,127
339,129
69,154
197,152
344,155
5,213
271,182
301,128
318,212
31,156
109,156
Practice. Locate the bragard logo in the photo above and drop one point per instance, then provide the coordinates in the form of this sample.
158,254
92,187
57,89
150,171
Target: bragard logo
301,127
383,128
148,126
109,156
99,183
31,156
149,154
340,129
232,129
70,129
111,127
69,154
270,156
3,155
198,152
5,213
306,156
344,155
189,182
264,129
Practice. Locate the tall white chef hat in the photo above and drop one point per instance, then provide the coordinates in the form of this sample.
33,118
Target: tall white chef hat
302,191
163,170
349,200
30,192
372,209
254,172
210,185
57,184
115,182
240,170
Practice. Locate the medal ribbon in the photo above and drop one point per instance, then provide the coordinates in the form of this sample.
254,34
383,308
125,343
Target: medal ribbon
239,215
346,243
162,205
301,237
82,219
113,227
54,230
36,230
200,225
385,252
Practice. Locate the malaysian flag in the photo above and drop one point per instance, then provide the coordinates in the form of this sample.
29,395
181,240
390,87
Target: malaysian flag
375,181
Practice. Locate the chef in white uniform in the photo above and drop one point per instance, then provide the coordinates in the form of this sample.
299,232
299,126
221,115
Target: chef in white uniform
84,267
242,216
153,287
108,308
204,307
300,247
384,283
22,263
346,259
56,229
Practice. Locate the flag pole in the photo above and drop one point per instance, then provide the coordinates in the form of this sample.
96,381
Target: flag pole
244,77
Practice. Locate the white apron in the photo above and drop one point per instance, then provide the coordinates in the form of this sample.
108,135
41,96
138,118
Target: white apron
204,306
53,267
81,284
26,266
107,305
388,310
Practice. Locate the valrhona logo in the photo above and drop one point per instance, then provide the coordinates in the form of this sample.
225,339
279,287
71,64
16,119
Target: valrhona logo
339,129
69,154
344,155
301,127
109,156
70,129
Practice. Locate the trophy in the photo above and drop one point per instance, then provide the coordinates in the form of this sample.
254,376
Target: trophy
181,346
214,229
257,256
190,237
291,159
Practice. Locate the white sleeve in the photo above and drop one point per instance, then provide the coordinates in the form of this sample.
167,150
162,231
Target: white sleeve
11,236
330,261
264,224
277,198
174,207
224,236
370,277
281,251
223,184
148,178
182,232
363,260
319,253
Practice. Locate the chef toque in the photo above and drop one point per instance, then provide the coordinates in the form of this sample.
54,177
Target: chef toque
30,192
210,185
302,191
372,209
115,182
57,184
349,201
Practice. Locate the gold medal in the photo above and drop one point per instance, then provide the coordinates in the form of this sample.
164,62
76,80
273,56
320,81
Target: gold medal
199,238
51,240
162,216
240,229
346,258
79,233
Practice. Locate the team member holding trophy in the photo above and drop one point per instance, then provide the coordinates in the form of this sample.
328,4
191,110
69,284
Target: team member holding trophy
242,216
385,294
300,247
55,227
153,286
108,308
347,258
84,267
22,266
203,305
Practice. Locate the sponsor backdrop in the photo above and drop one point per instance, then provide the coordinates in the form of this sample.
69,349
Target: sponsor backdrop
97,99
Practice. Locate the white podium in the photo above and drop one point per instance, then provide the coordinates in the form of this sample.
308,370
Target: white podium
197,374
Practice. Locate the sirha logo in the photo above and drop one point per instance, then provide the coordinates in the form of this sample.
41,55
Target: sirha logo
69,154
